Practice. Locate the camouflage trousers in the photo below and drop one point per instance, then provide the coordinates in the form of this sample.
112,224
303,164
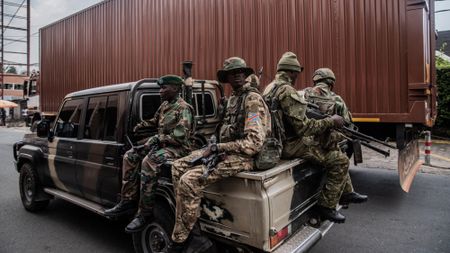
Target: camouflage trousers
335,162
142,183
189,188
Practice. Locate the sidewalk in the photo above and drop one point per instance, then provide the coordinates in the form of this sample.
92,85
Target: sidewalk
440,158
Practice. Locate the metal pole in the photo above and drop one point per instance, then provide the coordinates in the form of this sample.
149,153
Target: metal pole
28,37
427,148
3,49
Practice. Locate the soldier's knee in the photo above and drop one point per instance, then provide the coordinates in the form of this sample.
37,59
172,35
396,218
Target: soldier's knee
186,185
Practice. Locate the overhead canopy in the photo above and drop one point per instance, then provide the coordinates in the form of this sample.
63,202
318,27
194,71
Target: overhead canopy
7,104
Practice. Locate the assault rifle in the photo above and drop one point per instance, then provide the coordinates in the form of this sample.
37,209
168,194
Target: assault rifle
313,112
211,161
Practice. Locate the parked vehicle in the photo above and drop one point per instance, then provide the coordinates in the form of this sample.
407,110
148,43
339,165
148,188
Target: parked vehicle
78,158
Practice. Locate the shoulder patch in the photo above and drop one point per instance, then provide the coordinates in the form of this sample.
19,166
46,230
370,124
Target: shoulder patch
297,98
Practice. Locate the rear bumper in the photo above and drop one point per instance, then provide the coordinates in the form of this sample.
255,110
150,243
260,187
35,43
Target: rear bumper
304,239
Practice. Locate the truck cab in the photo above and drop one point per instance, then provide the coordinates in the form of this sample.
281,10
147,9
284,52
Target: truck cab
78,158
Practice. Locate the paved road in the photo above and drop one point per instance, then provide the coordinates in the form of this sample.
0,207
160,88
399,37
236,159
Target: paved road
392,221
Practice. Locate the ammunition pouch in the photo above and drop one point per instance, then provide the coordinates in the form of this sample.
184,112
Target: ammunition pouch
269,155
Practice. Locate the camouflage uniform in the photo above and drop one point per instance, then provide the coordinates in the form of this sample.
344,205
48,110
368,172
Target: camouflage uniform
300,138
241,137
330,103
174,121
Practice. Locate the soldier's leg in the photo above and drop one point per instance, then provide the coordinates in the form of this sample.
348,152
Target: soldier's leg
190,192
151,166
150,170
130,185
130,176
337,164
181,166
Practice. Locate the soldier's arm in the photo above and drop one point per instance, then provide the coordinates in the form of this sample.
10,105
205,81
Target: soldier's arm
153,122
257,122
180,135
294,108
342,109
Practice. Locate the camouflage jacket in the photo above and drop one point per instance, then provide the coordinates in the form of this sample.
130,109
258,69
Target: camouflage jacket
243,132
292,106
329,102
174,121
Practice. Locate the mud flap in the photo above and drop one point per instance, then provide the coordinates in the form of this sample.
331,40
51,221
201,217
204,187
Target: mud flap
408,164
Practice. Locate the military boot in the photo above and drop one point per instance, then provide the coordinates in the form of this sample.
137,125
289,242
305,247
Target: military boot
330,214
139,221
352,197
121,208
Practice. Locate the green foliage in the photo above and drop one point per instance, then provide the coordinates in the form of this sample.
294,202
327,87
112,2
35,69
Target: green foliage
11,69
443,83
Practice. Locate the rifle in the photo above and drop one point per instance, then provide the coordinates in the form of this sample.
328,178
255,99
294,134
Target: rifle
187,76
313,112
211,161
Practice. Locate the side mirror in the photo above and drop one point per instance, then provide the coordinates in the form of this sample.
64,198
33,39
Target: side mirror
42,129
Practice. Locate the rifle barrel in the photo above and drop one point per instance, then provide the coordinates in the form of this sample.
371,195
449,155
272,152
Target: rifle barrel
376,149
367,137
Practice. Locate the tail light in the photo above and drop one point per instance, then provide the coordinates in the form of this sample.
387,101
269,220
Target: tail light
280,236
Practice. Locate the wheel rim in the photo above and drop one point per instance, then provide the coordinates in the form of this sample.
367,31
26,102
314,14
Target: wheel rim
28,187
155,239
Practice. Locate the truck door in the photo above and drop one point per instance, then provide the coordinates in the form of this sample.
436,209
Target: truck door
99,150
62,149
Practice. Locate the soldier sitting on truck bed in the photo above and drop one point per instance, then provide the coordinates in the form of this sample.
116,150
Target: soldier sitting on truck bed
329,103
241,137
174,121
299,132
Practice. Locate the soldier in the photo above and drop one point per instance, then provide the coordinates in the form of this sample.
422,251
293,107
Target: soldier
245,127
299,132
330,103
174,121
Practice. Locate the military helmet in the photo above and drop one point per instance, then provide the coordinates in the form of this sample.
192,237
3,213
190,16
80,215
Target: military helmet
170,79
322,74
232,64
289,62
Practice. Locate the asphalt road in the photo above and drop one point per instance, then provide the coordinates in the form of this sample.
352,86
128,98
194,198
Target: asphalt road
392,221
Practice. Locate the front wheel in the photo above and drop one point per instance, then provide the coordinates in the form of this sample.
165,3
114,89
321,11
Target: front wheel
30,188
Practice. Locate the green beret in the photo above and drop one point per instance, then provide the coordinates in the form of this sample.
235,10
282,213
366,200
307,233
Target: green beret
170,79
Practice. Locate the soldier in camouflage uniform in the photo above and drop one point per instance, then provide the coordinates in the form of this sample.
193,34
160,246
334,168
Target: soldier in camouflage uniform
299,135
241,137
174,121
330,103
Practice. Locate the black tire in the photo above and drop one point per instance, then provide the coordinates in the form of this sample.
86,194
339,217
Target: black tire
155,237
30,187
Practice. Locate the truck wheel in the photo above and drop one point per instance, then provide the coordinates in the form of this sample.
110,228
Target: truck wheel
29,189
155,237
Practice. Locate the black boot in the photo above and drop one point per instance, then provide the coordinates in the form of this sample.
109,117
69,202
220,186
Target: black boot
176,247
138,223
330,214
121,208
352,197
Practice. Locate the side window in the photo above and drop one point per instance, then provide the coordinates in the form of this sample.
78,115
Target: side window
101,118
95,118
69,119
209,105
149,105
111,118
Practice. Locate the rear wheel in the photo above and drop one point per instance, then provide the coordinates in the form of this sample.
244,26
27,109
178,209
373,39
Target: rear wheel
155,237
30,187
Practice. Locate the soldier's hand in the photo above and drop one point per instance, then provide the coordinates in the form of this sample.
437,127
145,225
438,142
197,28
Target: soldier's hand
136,128
154,140
338,121
207,152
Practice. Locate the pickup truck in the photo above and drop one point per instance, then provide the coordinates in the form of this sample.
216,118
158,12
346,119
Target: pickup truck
78,158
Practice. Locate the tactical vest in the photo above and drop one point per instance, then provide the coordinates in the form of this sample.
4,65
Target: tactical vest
234,119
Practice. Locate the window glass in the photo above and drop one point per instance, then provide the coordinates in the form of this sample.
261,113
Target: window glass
69,119
111,118
149,105
198,103
95,118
